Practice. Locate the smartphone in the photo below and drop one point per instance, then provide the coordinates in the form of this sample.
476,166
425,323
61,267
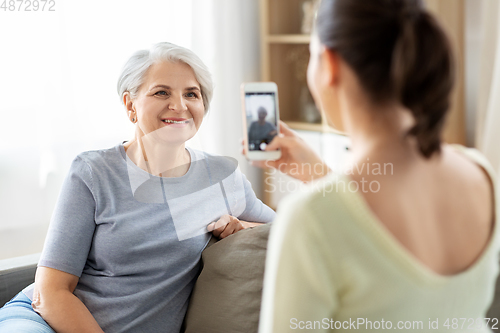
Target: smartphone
260,119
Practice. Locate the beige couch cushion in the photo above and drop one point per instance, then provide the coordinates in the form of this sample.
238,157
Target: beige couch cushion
227,295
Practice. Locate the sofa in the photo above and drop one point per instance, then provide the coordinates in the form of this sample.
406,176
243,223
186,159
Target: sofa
15,274
227,294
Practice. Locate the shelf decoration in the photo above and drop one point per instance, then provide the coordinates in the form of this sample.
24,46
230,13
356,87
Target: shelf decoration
309,8
309,113
298,58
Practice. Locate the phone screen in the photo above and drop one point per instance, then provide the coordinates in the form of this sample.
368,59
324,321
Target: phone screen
262,122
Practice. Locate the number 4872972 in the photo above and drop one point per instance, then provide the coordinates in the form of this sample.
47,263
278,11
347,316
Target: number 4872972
28,5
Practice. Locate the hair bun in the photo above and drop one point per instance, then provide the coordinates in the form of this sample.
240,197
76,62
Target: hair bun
400,53
410,10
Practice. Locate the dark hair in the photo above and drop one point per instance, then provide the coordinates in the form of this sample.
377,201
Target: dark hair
399,52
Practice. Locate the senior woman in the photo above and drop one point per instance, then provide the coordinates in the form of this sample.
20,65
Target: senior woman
418,251
123,249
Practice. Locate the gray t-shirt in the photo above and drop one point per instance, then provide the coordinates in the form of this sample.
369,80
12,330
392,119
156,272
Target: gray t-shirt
261,132
135,240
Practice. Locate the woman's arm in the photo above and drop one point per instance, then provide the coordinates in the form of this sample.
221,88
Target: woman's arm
54,300
65,252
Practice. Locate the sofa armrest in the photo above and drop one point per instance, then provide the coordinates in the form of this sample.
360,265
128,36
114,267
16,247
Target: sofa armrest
16,274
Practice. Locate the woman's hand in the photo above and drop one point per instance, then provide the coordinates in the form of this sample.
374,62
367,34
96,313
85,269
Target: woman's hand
297,159
228,225
225,226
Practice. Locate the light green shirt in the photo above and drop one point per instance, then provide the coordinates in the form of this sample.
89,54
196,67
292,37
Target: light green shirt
332,265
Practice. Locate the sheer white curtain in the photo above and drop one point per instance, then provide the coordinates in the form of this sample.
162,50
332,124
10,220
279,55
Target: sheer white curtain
226,36
58,87
488,109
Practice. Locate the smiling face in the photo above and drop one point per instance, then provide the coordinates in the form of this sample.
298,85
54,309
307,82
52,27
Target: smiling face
169,103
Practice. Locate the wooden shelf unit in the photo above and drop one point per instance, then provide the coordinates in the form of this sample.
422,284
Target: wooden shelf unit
285,54
290,39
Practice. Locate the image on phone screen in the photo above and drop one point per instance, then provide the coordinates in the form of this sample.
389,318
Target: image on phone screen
261,119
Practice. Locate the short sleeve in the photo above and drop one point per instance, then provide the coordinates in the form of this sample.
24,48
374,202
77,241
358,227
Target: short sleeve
72,226
255,209
298,284
251,131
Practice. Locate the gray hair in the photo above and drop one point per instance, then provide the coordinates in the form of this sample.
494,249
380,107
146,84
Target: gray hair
134,71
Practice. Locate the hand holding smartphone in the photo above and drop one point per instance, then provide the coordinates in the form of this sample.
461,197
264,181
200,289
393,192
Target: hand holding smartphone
260,119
